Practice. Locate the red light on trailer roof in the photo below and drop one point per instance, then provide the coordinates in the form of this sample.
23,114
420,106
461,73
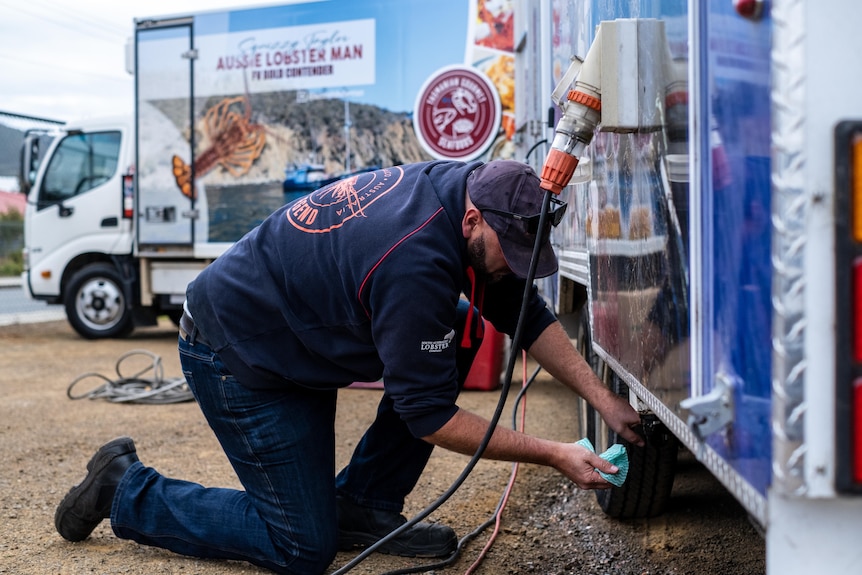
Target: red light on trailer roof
751,9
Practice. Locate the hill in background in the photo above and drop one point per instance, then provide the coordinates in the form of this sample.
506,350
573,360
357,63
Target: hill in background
296,133
308,132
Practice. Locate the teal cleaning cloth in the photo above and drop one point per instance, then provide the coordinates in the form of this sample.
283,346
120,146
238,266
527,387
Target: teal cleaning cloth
616,455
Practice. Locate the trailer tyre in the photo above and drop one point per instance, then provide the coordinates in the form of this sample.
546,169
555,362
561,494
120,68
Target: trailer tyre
96,303
646,491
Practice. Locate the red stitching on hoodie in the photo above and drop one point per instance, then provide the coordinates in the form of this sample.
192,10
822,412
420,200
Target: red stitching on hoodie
389,251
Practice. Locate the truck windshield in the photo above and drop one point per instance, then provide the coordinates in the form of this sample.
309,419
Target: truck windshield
80,163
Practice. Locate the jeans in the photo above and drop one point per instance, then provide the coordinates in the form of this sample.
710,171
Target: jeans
281,444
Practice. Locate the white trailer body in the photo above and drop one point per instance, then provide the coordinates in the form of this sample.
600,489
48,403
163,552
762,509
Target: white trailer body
711,262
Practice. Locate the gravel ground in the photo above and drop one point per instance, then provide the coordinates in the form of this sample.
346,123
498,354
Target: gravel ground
548,526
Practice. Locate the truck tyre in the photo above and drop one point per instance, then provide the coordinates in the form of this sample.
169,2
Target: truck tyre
96,303
646,491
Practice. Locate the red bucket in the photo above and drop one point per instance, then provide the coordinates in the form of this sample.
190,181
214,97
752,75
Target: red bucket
488,365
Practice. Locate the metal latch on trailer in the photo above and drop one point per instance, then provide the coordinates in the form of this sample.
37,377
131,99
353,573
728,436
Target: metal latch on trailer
713,411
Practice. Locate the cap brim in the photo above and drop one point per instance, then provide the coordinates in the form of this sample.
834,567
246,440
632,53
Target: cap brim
518,257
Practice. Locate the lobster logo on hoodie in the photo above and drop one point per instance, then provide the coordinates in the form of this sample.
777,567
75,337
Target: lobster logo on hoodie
334,205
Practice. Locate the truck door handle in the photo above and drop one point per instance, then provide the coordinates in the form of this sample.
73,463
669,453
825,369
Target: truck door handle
65,211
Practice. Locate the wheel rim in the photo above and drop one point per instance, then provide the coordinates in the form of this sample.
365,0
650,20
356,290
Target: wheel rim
100,304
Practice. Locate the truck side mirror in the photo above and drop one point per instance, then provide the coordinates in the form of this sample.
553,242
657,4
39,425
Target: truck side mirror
29,162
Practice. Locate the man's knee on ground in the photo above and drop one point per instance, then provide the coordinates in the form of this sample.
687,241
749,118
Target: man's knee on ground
312,552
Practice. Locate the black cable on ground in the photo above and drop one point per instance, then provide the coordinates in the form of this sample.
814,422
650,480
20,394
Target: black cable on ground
136,388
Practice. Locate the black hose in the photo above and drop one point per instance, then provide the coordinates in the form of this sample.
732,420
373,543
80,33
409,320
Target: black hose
533,148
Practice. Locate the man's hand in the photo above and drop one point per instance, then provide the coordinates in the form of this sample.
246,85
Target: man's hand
622,418
555,352
579,464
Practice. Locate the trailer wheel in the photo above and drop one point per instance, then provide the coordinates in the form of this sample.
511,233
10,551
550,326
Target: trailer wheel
96,304
646,491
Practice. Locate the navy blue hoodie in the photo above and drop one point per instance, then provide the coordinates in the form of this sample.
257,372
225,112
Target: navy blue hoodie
357,281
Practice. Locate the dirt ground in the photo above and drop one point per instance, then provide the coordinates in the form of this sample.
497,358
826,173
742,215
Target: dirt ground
548,526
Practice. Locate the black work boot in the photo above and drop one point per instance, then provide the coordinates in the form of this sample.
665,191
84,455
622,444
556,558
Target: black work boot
360,527
88,503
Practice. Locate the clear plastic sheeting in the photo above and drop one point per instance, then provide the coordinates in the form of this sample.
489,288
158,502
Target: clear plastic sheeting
639,293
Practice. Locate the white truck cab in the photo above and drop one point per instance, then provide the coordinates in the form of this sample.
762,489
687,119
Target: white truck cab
79,233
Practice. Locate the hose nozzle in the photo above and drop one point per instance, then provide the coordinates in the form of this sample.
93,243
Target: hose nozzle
581,115
557,171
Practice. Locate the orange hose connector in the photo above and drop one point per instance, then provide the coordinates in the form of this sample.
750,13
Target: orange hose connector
557,171
585,100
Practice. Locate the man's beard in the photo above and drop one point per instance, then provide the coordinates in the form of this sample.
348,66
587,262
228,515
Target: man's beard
476,259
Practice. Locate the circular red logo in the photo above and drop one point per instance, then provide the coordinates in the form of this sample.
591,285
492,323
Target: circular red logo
333,205
457,113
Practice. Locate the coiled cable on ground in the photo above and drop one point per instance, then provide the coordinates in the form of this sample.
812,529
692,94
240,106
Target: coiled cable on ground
137,387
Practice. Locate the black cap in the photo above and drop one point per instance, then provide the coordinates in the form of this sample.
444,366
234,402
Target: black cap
511,186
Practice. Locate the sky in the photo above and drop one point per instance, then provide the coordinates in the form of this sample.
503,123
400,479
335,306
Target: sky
65,59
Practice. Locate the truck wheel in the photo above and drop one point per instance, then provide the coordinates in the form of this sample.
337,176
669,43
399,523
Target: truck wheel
646,491
96,304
